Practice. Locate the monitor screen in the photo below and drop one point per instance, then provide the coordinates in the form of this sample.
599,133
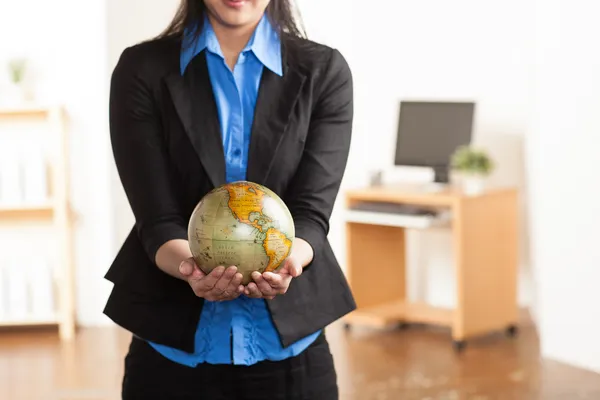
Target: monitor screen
429,132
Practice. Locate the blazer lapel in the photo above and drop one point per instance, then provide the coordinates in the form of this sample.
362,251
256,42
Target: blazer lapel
194,101
277,97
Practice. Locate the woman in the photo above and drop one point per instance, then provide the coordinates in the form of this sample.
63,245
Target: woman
231,91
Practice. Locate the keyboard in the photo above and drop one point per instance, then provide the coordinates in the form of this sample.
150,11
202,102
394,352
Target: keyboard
394,208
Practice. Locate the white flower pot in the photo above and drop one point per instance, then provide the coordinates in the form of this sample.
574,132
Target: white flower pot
13,95
473,185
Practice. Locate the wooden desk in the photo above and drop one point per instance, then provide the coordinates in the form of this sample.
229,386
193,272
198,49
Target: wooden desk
485,247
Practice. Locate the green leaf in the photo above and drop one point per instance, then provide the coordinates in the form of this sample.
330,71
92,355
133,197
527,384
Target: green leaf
473,161
17,69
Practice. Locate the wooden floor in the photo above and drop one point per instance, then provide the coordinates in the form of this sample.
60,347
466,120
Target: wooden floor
413,364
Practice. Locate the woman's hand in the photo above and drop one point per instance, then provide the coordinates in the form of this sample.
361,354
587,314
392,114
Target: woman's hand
270,284
219,285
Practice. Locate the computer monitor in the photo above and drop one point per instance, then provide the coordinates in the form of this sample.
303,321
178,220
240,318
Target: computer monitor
429,132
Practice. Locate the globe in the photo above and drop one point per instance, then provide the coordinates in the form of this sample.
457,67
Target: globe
243,224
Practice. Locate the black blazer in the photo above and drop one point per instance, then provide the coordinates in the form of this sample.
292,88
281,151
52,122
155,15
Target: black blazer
167,147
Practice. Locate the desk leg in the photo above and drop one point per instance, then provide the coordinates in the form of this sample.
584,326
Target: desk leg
486,251
376,272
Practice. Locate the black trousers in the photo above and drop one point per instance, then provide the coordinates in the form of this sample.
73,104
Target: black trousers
309,376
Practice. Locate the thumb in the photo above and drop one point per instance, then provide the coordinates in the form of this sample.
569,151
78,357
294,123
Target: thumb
186,268
297,271
294,268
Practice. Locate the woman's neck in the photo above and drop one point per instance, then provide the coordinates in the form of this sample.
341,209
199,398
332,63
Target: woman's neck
232,40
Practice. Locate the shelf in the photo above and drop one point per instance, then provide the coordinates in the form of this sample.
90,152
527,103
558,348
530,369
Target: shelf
408,194
28,111
399,311
397,220
13,323
37,212
418,195
56,210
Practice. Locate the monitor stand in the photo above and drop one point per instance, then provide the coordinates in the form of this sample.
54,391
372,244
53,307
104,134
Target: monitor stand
441,175
441,180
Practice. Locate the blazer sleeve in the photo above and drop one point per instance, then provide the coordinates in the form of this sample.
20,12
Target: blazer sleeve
314,188
140,155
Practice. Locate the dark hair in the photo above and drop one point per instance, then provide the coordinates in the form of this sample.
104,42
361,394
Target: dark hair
279,12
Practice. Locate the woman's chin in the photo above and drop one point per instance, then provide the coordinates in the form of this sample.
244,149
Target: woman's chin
235,18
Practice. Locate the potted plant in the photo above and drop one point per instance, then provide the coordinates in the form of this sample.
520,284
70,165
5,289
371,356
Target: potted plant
17,69
474,166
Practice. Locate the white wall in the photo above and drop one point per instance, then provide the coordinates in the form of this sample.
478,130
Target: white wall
73,58
68,53
465,49
129,22
563,163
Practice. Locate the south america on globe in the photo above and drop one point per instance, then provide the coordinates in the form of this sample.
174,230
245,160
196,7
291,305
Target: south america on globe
243,224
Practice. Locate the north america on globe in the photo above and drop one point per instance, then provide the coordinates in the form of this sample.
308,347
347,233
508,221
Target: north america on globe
243,224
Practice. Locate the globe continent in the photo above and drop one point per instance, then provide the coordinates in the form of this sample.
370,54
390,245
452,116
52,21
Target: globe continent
243,224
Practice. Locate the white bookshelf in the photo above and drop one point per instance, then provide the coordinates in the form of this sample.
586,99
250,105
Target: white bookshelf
54,213
8,322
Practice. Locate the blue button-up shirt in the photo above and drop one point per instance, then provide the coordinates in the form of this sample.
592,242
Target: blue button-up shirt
239,331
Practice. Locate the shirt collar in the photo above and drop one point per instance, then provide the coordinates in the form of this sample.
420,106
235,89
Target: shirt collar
264,44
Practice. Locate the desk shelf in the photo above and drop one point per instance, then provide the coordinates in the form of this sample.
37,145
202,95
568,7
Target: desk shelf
484,232
389,314
398,220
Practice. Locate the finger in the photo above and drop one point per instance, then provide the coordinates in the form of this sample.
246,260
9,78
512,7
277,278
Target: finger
253,291
296,270
195,274
234,289
186,268
264,286
274,280
198,273
208,282
236,284
293,268
228,296
279,283
225,280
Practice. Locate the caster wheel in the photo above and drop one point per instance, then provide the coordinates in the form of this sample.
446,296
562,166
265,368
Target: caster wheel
512,331
459,345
